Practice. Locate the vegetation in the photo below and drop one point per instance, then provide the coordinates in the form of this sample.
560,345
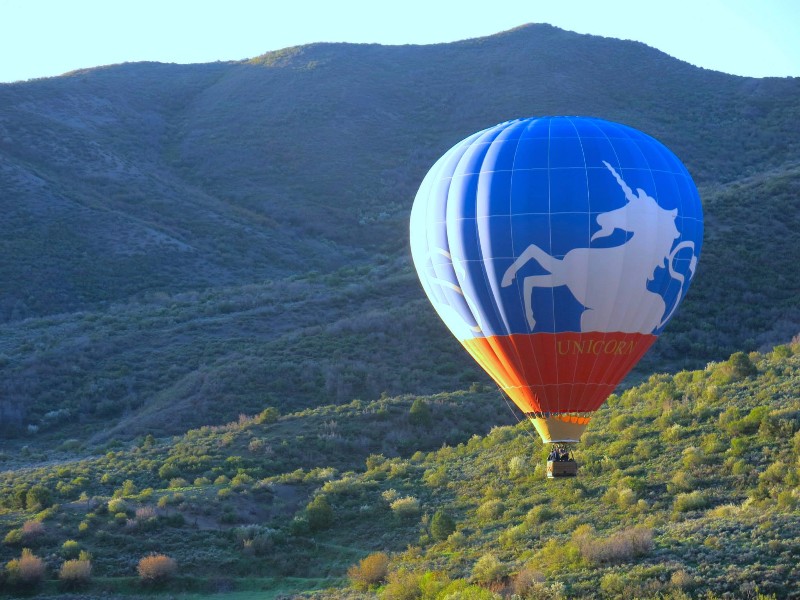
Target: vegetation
687,488
186,243
220,373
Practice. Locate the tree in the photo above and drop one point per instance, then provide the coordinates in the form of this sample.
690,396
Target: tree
741,366
442,525
319,514
420,413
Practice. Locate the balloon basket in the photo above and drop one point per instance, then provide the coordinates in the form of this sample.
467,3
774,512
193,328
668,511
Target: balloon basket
556,469
561,462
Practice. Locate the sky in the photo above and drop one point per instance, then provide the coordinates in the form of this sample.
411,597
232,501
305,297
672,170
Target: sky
44,38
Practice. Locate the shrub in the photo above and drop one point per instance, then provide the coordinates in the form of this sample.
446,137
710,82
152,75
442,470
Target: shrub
618,547
488,569
681,579
13,537
27,570
442,525
435,477
267,416
31,530
390,495
70,549
517,466
737,367
299,525
74,573
457,540
490,510
117,505
256,445
402,585
369,571
128,489
156,568
146,512
346,486
38,497
692,457
525,580
690,501
626,498
540,514
681,482
405,507
461,590
557,556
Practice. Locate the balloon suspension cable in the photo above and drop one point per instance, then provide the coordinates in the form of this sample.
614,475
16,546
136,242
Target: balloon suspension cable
513,412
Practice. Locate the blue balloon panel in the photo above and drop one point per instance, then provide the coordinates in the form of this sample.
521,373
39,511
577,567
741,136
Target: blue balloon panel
556,224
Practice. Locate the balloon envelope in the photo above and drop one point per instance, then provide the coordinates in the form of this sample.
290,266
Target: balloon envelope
556,249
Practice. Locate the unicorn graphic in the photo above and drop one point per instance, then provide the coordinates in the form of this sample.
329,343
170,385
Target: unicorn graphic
590,274
446,295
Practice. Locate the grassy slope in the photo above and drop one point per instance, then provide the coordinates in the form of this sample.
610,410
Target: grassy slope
704,463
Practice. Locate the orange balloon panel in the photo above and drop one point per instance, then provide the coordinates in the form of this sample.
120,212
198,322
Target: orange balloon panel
559,372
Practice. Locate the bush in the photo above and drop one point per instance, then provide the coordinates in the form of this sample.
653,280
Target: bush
402,585
31,530
461,590
490,510
517,466
690,501
618,547
70,549
38,497
457,540
540,514
13,537
156,568
74,573
369,571
405,507
267,416
488,569
117,505
681,482
27,570
442,525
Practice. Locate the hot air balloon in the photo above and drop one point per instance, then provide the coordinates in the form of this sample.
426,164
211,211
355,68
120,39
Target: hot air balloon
556,249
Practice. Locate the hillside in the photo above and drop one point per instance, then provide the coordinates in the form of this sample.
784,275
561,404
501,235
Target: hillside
687,488
185,243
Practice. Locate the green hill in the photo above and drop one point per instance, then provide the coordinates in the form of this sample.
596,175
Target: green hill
184,246
205,239
687,488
